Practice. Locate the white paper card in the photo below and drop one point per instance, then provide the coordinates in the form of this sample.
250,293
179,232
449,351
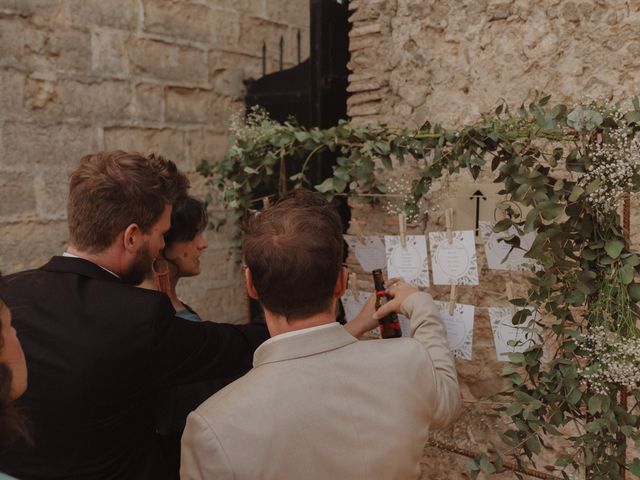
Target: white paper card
454,263
521,337
497,250
409,263
370,254
353,304
459,328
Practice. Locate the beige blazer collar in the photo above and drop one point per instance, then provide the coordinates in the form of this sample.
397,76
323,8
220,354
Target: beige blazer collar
303,345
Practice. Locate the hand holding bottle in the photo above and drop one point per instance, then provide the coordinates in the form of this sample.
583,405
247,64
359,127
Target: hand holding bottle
398,290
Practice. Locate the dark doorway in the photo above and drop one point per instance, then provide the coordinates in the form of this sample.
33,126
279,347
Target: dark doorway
314,92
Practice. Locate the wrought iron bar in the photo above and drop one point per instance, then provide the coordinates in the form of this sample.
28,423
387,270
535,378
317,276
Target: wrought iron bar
264,59
281,45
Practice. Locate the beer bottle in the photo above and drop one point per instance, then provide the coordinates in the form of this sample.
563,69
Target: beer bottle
389,325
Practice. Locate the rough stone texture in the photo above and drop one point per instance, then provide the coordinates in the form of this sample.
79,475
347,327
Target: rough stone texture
448,61
160,76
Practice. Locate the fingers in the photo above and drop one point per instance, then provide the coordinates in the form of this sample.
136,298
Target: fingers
385,310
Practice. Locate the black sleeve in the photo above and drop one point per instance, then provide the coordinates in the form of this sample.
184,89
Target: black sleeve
184,351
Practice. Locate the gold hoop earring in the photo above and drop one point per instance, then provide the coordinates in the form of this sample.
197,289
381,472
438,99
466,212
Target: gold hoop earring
160,266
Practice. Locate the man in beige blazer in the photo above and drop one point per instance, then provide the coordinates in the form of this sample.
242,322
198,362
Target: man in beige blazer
318,403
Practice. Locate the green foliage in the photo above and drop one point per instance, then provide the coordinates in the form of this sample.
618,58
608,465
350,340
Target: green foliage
588,272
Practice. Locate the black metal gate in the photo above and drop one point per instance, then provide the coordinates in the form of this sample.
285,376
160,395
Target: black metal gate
314,92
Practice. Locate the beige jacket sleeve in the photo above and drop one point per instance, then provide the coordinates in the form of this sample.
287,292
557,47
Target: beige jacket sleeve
202,454
428,329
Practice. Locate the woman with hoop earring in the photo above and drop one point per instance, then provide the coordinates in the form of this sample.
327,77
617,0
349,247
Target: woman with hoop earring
184,244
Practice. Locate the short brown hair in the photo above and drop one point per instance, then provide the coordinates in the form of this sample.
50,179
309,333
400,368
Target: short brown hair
294,252
111,190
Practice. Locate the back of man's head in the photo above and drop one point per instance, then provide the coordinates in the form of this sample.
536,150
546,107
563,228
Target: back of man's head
294,252
111,190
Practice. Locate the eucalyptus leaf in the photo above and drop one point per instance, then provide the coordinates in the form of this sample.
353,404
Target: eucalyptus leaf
613,248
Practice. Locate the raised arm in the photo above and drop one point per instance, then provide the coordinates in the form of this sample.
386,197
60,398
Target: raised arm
428,329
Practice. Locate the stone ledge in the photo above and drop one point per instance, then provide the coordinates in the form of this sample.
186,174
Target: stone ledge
367,85
365,30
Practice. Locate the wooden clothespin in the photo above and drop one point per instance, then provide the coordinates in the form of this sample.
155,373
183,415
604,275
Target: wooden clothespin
357,229
452,299
266,203
402,229
353,285
510,297
448,221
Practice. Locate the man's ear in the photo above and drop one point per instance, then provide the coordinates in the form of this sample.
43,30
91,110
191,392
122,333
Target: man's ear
131,237
248,280
341,283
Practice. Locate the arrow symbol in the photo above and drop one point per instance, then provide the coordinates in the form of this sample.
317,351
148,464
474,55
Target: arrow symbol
477,195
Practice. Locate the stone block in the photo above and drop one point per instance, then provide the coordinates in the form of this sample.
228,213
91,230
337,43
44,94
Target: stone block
207,145
288,12
122,14
221,62
365,109
198,23
11,92
105,100
52,190
149,100
67,51
155,59
109,52
20,42
256,31
198,106
189,105
40,94
38,12
221,305
17,197
26,145
30,244
167,142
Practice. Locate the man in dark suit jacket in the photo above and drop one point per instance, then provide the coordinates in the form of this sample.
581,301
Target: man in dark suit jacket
97,347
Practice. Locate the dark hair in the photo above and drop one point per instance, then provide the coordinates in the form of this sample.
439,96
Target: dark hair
294,252
12,424
111,190
188,218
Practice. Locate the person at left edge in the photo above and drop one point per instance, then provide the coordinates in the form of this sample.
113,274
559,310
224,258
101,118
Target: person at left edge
97,347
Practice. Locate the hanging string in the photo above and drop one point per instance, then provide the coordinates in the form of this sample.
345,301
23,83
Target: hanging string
508,465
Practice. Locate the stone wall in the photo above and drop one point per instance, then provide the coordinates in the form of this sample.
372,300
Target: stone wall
448,61
161,76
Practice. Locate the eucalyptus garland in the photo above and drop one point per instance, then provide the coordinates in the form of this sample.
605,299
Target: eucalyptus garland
585,290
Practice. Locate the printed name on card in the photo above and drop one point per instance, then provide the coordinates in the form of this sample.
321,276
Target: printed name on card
454,263
408,262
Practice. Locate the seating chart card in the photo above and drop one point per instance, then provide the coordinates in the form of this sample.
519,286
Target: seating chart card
510,338
459,328
353,304
370,254
409,263
497,250
454,263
